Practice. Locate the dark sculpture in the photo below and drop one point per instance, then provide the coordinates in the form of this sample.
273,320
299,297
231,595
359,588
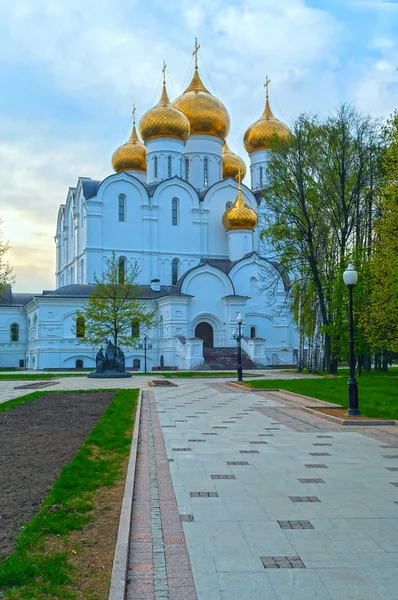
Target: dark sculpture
111,364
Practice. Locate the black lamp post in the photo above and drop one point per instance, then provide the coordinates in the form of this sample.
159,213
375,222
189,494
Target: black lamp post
350,277
238,337
145,345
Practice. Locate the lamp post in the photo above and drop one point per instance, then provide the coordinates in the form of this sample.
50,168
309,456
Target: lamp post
238,337
350,277
145,345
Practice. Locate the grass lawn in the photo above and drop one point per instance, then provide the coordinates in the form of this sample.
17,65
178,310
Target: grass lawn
49,560
378,392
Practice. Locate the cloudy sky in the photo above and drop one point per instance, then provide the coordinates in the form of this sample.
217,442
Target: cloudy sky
70,72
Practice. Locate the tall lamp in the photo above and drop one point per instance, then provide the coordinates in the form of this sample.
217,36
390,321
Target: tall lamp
350,277
238,337
145,345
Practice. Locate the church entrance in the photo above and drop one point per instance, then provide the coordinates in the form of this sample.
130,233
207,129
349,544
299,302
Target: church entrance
205,332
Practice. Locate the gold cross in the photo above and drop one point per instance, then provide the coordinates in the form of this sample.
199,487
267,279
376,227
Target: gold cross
134,109
164,71
195,52
266,85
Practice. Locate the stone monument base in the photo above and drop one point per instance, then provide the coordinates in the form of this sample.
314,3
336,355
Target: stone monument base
109,375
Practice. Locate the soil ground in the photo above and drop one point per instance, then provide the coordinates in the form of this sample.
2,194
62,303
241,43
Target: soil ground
36,440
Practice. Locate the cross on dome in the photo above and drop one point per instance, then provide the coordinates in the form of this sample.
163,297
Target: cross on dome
133,111
164,72
266,85
195,52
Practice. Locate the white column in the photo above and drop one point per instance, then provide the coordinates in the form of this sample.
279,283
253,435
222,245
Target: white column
240,242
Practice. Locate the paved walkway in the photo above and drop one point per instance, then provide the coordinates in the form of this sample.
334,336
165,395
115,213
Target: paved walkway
278,505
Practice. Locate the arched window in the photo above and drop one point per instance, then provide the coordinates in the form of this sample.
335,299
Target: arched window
80,327
161,327
187,169
122,207
169,166
174,271
135,329
228,205
14,332
155,167
136,363
35,328
174,211
252,332
261,177
121,269
161,361
79,364
206,172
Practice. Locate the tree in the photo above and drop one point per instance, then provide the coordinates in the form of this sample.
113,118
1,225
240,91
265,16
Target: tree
114,310
7,277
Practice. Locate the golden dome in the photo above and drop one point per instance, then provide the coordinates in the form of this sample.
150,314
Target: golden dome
261,135
240,215
206,114
163,120
232,164
131,156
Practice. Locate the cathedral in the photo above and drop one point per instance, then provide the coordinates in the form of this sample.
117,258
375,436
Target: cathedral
174,205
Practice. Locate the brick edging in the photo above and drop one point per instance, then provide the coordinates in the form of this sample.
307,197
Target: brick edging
117,589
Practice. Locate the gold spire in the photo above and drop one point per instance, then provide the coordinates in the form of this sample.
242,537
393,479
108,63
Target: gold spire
130,156
240,215
164,120
263,133
232,164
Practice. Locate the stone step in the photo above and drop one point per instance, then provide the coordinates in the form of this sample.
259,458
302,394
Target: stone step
226,359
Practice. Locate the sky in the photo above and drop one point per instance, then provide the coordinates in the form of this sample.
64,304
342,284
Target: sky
71,71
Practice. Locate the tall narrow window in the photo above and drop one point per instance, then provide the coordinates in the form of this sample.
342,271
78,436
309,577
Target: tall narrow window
122,207
122,269
135,329
187,169
174,271
261,177
169,167
174,211
206,172
14,332
155,167
80,327
252,332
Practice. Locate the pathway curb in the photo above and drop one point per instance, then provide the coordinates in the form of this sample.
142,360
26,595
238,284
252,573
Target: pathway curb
117,589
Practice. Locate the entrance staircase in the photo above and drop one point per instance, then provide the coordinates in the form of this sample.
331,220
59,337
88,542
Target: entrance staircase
224,359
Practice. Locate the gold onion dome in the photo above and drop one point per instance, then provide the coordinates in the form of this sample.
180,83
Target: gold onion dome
163,120
240,215
262,134
130,156
232,164
207,115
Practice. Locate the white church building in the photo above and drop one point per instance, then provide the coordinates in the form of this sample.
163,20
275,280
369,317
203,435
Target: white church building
175,206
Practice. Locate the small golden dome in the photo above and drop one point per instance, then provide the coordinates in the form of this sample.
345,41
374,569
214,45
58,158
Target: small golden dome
206,114
240,215
164,120
130,156
261,135
232,164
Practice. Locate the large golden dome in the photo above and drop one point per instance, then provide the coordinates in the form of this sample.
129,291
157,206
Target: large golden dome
240,215
232,164
206,114
130,156
261,135
164,120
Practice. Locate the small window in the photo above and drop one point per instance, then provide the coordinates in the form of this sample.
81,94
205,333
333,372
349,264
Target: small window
169,166
174,271
136,363
122,207
252,332
155,167
206,172
22,363
80,327
261,177
122,269
187,169
14,332
161,361
228,205
174,211
135,329
79,364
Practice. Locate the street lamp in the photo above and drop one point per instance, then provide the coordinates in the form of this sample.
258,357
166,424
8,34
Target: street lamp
350,277
145,345
238,337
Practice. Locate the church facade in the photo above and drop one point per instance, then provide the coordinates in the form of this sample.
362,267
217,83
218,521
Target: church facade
176,207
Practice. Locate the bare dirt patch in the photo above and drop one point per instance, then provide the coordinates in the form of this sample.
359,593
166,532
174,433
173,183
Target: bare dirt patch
341,413
36,440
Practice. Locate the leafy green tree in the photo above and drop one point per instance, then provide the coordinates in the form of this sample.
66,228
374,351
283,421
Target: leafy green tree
114,310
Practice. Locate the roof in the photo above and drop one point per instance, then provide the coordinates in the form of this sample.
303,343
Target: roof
78,290
10,298
90,186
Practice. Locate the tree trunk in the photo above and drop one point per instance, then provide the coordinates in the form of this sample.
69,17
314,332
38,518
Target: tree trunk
315,343
300,351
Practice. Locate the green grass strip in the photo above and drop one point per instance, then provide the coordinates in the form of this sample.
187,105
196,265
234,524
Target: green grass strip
378,396
29,572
